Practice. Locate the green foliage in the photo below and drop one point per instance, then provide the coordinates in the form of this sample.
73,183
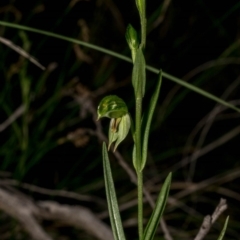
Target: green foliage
109,107
113,209
153,222
224,229
127,59
41,128
148,115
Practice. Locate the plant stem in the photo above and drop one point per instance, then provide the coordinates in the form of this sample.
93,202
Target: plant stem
140,204
138,132
143,24
139,161
139,96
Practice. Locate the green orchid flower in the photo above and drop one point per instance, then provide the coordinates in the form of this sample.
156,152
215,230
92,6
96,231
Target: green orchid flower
116,109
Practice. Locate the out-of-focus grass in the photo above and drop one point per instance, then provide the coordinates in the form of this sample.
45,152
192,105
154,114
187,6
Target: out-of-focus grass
35,149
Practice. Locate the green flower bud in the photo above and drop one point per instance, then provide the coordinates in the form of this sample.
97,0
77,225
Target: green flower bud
132,40
115,108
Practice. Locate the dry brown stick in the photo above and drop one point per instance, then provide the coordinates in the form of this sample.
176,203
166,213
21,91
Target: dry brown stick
16,114
161,16
208,124
23,209
23,212
208,221
205,66
206,149
52,192
22,52
77,216
233,174
117,16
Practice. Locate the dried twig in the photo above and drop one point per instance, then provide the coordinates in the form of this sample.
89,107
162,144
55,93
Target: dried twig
161,16
206,149
208,123
21,51
18,112
203,67
26,211
77,216
52,192
210,220
229,176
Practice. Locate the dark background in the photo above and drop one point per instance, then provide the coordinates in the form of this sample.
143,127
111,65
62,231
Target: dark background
197,41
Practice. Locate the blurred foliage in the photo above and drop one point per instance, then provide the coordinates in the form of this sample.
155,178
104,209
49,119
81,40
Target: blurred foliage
54,143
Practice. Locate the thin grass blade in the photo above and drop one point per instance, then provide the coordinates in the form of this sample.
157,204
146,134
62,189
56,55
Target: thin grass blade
149,116
223,230
113,209
127,59
198,90
158,210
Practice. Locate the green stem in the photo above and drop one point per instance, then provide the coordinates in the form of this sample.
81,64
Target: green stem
139,160
143,32
143,24
138,128
140,205
138,132
141,5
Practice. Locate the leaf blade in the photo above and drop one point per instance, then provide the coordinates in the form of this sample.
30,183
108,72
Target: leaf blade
199,91
149,115
158,210
113,209
224,229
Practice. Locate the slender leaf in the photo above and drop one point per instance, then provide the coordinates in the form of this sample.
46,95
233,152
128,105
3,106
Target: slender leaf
224,229
127,59
149,116
113,209
194,88
158,210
